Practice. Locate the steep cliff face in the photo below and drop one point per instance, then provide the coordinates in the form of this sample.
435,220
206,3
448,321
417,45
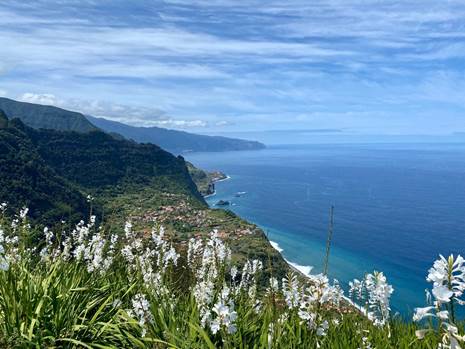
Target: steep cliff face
205,180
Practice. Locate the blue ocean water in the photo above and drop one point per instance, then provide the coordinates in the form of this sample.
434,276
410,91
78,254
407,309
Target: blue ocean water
397,206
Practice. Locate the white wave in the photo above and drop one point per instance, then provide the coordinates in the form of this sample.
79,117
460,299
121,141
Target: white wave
224,179
304,269
359,307
210,195
276,246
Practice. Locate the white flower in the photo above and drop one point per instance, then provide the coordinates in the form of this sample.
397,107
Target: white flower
291,291
421,313
141,311
443,315
274,284
442,294
226,316
4,265
375,290
233,273
215,326
307,316
128,229
448,278
23,213
321,330
193,249
448,274
356,288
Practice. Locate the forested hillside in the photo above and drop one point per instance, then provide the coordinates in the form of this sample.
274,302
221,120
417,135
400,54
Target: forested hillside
27,180
52,172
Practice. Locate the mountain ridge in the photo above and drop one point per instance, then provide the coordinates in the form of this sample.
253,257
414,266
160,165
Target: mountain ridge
40,116
174,140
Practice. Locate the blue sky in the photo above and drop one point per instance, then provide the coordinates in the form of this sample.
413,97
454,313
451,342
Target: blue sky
355,66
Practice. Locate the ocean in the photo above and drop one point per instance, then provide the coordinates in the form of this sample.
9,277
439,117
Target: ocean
396,207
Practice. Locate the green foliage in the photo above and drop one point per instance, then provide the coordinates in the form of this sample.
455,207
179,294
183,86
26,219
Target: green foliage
205,181
27,180
51,172
98,162
55,301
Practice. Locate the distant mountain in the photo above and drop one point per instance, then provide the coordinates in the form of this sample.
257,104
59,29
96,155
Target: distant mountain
49,117
52,171
45,116
175,141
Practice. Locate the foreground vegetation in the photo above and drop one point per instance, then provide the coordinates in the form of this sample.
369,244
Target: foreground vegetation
95,289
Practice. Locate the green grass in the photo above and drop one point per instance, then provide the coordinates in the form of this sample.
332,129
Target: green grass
48,300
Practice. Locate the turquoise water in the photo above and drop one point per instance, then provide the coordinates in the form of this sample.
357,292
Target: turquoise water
396,206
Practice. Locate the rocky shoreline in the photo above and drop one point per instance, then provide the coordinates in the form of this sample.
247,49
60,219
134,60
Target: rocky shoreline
205,180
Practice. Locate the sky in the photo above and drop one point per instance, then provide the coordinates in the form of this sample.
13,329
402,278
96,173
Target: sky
224,66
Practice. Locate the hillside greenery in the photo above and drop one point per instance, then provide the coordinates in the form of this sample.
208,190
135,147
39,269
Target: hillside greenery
122,178
204,180
27,180
52,172
97,161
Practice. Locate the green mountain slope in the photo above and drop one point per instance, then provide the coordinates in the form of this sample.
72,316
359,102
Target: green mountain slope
44,116
175,141
98,162
52,171
27,180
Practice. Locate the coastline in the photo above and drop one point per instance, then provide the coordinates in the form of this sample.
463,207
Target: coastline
304,270
210,195
301,269
222,179
216,181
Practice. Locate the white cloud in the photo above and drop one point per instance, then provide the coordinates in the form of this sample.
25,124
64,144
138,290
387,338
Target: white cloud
147,69
271,61
179,123
46,98
223,123
132,115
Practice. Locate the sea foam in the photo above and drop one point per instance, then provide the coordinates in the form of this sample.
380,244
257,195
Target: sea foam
276,246
304,269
